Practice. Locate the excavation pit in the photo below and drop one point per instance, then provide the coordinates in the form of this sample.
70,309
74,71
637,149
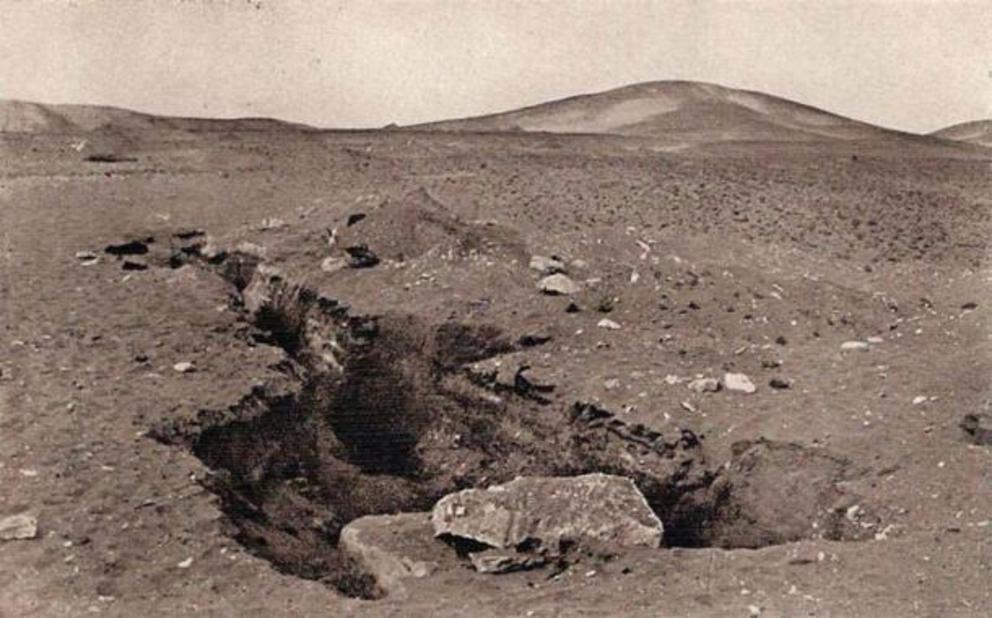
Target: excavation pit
384,417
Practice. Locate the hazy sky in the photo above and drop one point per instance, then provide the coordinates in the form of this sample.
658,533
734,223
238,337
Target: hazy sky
910,65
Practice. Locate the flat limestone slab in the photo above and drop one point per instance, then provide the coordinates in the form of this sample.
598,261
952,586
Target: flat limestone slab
396,548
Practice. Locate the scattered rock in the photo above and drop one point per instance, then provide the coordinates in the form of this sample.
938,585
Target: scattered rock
547,265
548,510
738,382
87,258
354,218
393,548
779,383
333,264
18,527
979,428
849,346
184,367
185,564
611,384
969,306
608,324
361,257
558,285
704,385
919,399
572,308
875,339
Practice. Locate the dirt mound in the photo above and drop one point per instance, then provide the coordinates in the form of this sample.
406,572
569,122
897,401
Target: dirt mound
416,224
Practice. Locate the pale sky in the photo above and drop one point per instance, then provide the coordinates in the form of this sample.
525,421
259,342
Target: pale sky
910,65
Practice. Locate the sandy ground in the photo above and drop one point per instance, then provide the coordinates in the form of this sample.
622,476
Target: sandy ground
762,260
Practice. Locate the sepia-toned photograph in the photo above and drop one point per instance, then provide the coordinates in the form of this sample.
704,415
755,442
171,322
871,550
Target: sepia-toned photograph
496,308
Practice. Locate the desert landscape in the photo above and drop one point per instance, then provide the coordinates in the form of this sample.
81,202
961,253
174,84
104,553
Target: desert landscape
734,348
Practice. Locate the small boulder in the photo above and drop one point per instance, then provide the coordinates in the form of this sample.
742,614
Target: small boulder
738,382
608,324
558,285
548,510
547,265
394,548
704,385
18,527
184,367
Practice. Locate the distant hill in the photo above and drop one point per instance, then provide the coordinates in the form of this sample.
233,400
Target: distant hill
975,132
27,117
690,112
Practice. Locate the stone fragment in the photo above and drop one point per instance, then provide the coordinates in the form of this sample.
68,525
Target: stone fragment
608,324
394,548
496,561
184,367
851,346
545,511
333,264
738,382
18,527
546,265
558,285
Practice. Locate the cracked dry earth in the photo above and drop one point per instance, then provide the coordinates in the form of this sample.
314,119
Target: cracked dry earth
220,349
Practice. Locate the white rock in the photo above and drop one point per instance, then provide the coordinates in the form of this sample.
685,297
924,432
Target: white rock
918,400
875,339
185,564
849,346
608,324
738,382
184,367
18,527
558,285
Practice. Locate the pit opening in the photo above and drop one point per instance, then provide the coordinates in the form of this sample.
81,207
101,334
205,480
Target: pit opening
387,418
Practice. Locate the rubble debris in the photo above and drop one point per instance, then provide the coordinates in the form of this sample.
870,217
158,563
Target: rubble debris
131,247
608,324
